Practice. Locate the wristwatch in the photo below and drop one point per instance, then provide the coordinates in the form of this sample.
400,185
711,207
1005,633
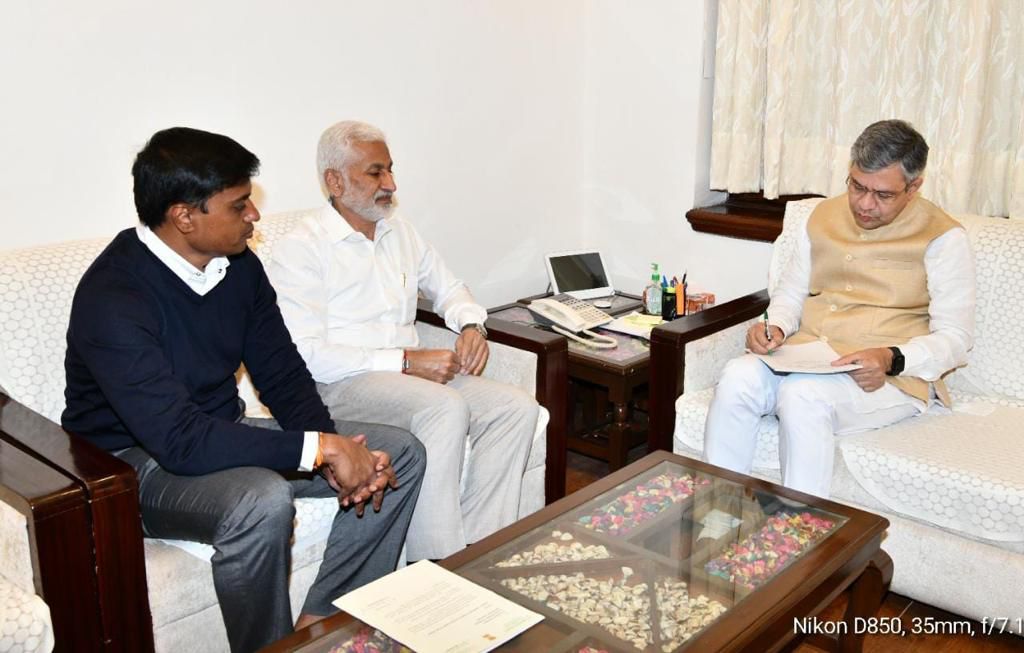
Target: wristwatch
481,329
405,361
898,362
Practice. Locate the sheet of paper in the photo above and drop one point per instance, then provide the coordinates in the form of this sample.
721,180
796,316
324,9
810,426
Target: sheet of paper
717,523
432,610
634,324
810,358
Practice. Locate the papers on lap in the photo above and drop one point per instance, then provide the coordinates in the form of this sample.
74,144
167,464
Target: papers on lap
432,610
810,358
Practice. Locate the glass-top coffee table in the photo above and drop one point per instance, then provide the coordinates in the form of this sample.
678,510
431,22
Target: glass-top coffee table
667,554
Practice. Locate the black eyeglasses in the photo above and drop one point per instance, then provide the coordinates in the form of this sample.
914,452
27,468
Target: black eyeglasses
881,196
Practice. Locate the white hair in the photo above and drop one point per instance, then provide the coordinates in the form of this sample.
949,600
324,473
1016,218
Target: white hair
334,150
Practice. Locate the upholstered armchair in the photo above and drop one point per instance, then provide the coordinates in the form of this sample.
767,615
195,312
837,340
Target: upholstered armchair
951,484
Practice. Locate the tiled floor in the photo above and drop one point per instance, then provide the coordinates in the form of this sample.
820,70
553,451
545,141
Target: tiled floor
951,629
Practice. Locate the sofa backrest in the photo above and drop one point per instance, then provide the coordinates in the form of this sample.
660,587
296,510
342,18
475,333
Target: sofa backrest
37,285
994,365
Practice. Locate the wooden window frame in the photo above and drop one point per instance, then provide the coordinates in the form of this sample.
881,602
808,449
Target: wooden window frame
743,215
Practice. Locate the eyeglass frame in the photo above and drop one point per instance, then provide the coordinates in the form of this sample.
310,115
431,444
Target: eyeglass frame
859,189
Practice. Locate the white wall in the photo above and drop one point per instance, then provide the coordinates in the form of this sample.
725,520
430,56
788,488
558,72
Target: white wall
647,120
518,126
479,100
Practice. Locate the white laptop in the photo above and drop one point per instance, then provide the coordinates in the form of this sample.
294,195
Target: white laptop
581,273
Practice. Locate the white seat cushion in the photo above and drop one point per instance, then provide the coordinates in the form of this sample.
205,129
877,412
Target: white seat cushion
961,472
25,625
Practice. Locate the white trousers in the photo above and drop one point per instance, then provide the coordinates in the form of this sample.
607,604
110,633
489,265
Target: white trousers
498,420
811,408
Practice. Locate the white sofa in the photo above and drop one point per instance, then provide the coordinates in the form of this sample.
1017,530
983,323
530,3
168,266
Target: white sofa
951,484
36,287
25,624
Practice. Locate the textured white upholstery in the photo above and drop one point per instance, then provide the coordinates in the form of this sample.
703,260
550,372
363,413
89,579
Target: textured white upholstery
950,476
36,289
25,625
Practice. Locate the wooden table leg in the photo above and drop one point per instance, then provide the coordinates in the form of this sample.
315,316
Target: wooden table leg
618,430
866,596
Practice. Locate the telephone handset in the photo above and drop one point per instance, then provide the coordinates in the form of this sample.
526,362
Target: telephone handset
570,316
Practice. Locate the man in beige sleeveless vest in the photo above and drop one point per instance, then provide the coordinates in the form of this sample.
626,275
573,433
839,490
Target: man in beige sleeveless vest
886,279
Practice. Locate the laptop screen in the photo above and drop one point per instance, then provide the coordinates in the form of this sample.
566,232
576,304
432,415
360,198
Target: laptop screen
580,273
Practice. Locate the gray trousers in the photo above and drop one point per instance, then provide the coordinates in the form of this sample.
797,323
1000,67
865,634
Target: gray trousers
247,514
498,421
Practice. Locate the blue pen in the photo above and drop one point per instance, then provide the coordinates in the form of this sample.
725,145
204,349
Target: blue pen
767,331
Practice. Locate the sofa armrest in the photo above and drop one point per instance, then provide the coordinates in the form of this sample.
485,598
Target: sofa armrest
551,386
104,537
668,358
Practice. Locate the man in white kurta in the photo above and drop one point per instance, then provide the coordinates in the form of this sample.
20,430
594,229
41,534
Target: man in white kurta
886,279
347,279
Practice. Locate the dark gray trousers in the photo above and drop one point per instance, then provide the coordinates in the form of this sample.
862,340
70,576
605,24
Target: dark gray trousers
246,514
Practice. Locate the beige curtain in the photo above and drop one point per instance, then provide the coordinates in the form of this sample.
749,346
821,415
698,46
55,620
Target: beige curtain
797,80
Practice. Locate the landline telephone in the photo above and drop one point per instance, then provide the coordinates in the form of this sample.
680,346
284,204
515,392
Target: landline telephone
570,316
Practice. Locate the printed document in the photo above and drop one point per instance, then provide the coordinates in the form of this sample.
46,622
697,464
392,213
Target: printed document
432,610
810,358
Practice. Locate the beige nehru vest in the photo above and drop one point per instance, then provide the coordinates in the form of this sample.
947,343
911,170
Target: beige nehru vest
869,287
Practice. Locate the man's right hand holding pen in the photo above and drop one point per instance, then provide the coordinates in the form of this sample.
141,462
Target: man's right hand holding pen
764,338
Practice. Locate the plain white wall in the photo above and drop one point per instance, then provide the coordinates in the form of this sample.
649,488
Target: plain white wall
480,101
647,117
518,127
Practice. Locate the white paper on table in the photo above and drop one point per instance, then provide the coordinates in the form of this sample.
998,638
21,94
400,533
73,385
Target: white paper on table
432,610
634,324
811,358
717,523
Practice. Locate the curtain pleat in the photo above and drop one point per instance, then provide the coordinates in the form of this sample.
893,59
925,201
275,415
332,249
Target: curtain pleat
797,81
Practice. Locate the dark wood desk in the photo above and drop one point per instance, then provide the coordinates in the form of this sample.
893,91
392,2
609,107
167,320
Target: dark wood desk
607,388
807,551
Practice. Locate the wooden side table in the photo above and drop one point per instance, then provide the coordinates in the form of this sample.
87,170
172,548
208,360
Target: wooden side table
605,386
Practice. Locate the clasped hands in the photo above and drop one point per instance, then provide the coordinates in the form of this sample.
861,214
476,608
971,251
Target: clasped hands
356,472
441,365
874,362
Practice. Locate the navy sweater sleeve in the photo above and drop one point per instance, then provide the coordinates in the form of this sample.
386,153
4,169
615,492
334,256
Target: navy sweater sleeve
277,370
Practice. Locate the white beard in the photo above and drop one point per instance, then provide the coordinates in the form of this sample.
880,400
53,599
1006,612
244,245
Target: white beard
370,211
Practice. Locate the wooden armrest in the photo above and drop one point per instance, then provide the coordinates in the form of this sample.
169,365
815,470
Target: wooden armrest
552,385
668,358
60,541
111,504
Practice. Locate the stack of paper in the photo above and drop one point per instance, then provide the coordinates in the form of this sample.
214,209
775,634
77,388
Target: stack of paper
634,324
812,358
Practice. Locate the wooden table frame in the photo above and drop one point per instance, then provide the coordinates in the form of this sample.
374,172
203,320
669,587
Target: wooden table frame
620,381
850,559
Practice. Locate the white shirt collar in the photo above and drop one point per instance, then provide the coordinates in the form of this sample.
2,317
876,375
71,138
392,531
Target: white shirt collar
200,281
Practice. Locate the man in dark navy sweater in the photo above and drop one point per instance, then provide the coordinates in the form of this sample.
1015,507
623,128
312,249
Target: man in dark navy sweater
160,323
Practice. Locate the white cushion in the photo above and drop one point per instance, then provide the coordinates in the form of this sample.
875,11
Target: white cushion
25,625
961,472
36,288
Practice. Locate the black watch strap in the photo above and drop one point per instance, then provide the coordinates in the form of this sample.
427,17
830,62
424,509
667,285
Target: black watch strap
898,362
